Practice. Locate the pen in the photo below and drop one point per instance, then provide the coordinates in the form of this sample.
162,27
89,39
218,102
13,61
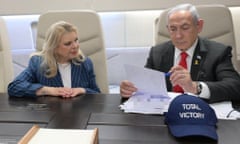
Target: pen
168,74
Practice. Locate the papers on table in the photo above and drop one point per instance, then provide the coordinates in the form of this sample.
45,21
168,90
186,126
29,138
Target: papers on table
152,96
146,103
224,110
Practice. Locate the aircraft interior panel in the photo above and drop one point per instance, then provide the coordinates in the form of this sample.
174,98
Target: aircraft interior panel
128,36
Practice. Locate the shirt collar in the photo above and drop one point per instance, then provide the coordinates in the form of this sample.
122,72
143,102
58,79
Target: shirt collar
189,51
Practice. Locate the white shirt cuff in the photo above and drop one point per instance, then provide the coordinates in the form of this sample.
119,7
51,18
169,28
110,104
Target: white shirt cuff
205,91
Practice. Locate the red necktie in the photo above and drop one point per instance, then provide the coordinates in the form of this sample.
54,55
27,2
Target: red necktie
182,63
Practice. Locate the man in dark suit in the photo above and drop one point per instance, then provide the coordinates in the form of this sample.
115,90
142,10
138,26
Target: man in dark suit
209,72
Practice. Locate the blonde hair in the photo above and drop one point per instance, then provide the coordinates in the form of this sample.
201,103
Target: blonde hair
52,40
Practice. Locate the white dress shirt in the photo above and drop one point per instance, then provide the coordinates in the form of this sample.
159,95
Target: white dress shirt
65,71
205,90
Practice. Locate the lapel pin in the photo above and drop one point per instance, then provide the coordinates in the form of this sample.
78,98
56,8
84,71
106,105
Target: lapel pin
196,62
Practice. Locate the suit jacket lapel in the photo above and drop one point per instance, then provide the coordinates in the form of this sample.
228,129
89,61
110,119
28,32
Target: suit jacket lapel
58,79
167,62
198,59
73,78
167,59
75,74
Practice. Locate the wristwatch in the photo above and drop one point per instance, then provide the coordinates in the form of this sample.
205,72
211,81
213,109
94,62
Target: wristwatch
199,88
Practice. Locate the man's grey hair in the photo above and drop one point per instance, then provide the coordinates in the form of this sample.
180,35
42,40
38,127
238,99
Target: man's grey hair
185,7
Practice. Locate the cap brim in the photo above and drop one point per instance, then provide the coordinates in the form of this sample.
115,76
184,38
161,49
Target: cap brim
193,130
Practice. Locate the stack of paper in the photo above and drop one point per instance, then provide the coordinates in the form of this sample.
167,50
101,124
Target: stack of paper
148,103
153,104
225,110
152,96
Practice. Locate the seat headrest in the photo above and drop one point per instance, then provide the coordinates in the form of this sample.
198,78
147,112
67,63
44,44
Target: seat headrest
90,36
218,24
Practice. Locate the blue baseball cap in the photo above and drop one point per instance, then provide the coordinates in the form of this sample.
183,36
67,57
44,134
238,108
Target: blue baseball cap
191,116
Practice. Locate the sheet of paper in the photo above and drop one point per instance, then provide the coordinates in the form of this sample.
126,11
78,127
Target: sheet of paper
147,103
62,136
225,110
147,80
152,96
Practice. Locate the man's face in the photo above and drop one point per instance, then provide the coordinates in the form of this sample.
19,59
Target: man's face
183,31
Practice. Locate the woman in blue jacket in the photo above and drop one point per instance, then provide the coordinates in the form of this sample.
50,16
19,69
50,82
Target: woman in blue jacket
60,69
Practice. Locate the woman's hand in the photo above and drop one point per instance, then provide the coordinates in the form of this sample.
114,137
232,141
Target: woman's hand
60,91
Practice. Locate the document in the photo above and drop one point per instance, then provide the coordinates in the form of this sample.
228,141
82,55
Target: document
147,80
148,103
37,135
152,96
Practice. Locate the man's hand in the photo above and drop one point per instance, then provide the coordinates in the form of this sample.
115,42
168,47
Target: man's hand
127,89
181,76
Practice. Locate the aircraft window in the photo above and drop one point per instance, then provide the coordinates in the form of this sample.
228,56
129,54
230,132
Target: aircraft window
34,32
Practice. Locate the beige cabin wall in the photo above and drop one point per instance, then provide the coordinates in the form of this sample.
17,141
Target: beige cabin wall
20,7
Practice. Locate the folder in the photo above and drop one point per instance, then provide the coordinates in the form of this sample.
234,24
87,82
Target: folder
47,135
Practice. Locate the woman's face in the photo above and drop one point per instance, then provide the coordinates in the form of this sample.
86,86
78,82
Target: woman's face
68,47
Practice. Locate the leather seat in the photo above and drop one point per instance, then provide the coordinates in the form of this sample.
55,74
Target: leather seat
6,67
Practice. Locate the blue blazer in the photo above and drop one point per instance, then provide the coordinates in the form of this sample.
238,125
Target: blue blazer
32,78
211,64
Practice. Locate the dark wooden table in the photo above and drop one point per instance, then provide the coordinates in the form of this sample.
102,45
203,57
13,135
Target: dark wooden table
18,115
